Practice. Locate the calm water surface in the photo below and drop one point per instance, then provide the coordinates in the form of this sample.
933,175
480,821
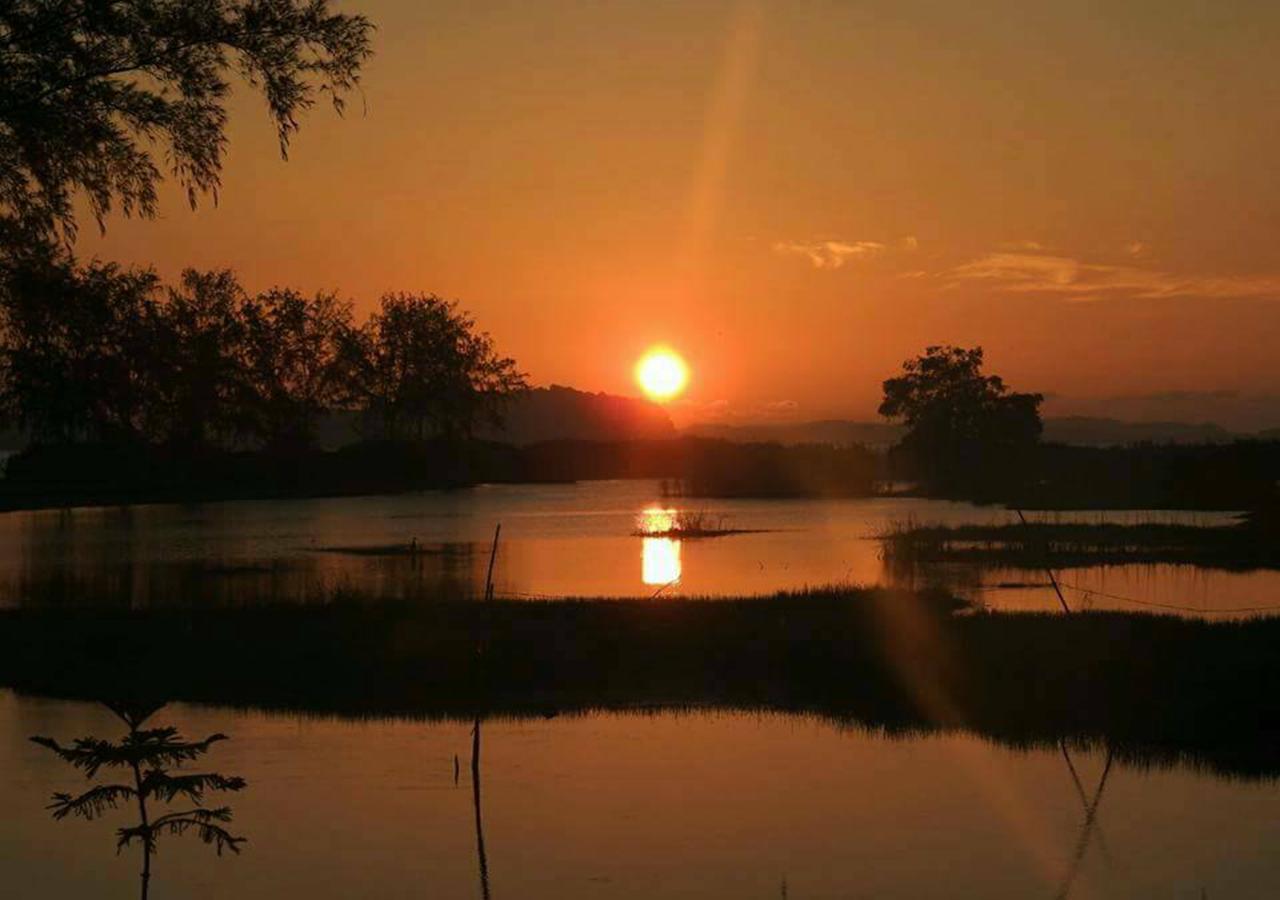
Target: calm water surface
630,806
570,540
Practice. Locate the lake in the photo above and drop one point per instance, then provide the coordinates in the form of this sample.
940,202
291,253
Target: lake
691,805
581,540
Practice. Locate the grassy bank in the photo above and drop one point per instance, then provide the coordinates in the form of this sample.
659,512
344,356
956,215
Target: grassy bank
1248,545
1156,689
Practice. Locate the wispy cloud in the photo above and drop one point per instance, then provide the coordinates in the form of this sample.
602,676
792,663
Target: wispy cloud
833,254
1072,278
830,254
1022,246
724,412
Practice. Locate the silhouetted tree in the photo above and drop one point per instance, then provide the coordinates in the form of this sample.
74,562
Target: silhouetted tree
295,363
76,349
91,89
201,393
103,354
422,370
965,430
149,758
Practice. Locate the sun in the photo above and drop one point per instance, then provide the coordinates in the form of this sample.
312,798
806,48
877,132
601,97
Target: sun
662,374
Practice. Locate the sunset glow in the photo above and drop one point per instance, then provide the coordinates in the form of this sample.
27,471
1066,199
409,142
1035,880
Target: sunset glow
636,405
924,213
662,374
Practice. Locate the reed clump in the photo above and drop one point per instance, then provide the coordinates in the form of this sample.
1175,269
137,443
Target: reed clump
689,524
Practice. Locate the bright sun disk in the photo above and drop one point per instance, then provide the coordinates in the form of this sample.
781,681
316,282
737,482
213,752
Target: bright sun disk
662,374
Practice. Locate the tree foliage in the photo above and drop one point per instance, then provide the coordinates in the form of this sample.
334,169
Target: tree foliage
964,428
90,90
98,353
199,345
423,370
74,350
148,759
296,363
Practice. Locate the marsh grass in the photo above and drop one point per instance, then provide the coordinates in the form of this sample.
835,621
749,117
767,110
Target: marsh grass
410,550
689,524
1075,543
1155,688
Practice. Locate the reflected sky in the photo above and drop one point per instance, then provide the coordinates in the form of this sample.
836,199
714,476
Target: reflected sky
709,805
578,540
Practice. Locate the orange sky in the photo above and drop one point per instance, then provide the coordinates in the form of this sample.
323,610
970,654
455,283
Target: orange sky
795,195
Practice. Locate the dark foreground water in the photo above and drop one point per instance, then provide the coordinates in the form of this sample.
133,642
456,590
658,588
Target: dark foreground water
566,540
698,805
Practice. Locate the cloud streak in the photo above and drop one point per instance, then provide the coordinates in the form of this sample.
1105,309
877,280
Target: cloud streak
1033,273
833,254
830,254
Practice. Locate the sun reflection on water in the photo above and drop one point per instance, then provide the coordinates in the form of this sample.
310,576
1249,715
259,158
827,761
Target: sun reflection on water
659,556
656,520
660,561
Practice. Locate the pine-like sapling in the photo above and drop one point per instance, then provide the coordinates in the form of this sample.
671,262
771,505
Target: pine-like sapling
148,758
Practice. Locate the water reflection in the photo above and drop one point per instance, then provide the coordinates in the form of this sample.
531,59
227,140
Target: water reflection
482,858
657,520
660,805
660,565
660,562
557,541
1089,829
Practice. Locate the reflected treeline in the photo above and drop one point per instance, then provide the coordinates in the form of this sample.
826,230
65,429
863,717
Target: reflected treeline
1156,690
54,576
1249,544
149,760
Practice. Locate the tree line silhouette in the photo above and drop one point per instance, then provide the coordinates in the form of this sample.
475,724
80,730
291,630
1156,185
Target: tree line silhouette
98,353
969,436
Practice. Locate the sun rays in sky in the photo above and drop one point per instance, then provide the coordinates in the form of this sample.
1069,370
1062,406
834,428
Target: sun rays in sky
770,182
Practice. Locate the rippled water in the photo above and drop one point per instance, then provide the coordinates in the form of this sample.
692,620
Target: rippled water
568,540
699,805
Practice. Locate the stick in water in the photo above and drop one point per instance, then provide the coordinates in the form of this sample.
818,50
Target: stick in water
493,554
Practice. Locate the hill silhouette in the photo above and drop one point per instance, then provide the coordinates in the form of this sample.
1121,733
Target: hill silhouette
563,413
1079,430
554,413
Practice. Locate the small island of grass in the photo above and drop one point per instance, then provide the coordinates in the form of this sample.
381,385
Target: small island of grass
687,525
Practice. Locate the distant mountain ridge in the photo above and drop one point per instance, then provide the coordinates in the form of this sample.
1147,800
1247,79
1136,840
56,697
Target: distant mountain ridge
544,414
825,431
1081,430
1106,432
547,414
563,413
